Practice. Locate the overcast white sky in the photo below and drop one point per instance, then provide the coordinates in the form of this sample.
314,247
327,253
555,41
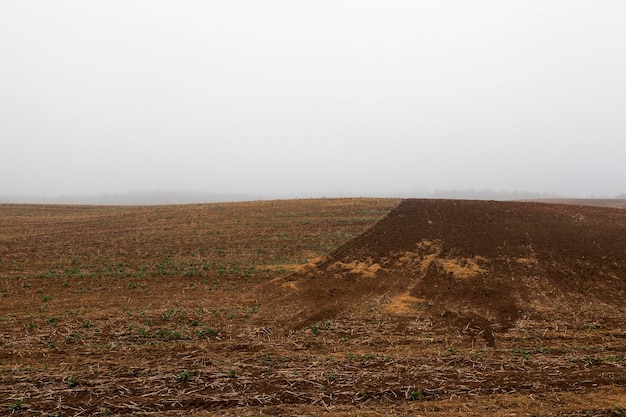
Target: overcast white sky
310,98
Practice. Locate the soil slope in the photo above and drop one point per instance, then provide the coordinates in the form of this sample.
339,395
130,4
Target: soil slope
479,265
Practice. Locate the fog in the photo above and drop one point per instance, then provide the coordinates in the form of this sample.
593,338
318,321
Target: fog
325,98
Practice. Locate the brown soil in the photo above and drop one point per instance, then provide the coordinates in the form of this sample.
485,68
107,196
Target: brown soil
439,308
594,202
482,264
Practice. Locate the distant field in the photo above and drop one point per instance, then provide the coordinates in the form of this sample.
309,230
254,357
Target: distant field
596,202
341,307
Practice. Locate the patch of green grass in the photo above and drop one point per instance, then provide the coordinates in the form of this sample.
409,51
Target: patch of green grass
451,351
416,395
522,352
71,272
168,334
51,273
73,338
171,313
72,381
251,309
207,331
589,360
184,376
16,405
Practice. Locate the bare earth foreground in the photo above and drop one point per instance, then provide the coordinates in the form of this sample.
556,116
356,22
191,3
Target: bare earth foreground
341,307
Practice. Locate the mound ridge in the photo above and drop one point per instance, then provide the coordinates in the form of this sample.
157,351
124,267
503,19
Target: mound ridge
474,264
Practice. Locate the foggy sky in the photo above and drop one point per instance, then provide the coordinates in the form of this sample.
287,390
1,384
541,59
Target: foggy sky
312,98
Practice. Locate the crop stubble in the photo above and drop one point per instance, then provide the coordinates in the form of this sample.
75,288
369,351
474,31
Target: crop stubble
125,300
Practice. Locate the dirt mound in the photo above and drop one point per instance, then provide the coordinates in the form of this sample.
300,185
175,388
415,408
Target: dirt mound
474,264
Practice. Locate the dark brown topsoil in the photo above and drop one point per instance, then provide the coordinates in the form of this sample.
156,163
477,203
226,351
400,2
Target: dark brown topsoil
477,264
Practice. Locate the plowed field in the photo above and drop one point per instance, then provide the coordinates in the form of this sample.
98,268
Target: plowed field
341,307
